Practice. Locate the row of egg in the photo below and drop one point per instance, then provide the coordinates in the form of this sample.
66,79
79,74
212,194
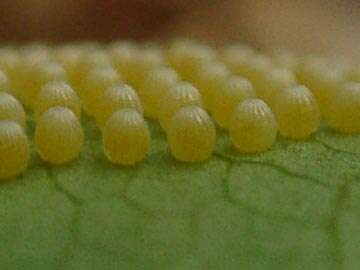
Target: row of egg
245,92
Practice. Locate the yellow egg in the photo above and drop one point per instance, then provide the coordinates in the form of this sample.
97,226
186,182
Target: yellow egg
232,91
322,79
11,109
116,97
252,126
235,55
120,46
57,93
69,57
180,95
153,88
34,53
186,58
273,82
345,109
30,57
35,76
297,112
285,59
14,149
208,80
191,135
248,64
58,135
145,60
354,74
4,82
9,61
94,85
89,60
89,46
124,56
126,137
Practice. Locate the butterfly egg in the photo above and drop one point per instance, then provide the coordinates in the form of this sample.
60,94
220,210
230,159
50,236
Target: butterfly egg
123,56
186,58
252,127
15,149
116,97
57,93
29,56
126,137
69,57
256,67
179,95
58,135
354,74
234,53
297,112
145,60
273,82
252,66
285,59
235,56
345,109
191,134
314,71
4,82
38,75
120,45
232,91
341,64
208,79
11,109
155,48
89,60
94,85
9,62
154,86
35,53
322,79
88,46
236,49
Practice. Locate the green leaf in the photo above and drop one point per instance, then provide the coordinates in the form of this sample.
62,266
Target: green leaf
294,207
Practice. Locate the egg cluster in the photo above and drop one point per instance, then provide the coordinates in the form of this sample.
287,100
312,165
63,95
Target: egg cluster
191,89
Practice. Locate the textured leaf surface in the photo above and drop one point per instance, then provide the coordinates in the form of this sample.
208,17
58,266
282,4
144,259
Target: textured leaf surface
295,207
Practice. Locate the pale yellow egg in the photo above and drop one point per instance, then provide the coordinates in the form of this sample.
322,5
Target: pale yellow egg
297,112
12,109
35,76
180,95
58,136
186,57
116,97
126,138
345,109
191,134
231,92
208,80
94,85
273,82
14,149
57,93
154,87
253,127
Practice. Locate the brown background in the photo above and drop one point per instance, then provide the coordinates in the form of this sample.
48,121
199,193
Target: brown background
331,26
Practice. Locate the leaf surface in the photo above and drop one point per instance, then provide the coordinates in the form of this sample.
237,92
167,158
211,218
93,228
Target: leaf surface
294,207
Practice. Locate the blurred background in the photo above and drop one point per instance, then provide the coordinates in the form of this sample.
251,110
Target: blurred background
325,26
